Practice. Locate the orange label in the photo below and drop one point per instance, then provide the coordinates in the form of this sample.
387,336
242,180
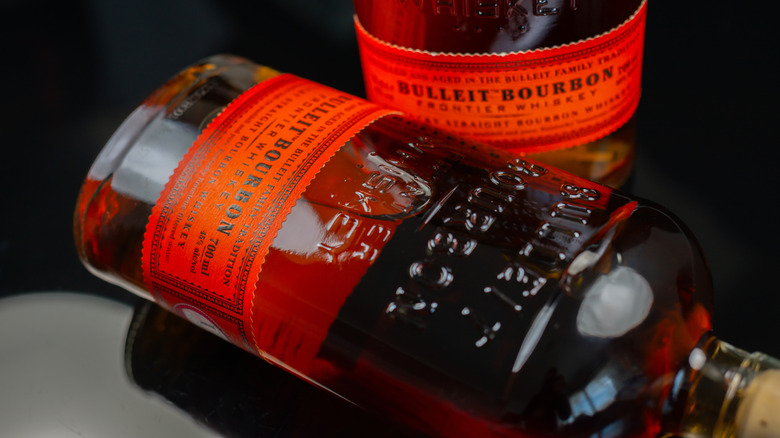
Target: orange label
526,101
214,222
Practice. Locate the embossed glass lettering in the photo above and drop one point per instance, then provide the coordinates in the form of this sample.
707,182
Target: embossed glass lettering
379,182
446,242
488,330
431,273
573,192
530,169
410,307
490,199
572,212
470,219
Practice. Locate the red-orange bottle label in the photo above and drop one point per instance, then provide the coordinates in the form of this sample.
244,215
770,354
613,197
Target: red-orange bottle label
526,101
214,222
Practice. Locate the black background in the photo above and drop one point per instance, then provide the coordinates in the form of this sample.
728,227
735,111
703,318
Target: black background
706,136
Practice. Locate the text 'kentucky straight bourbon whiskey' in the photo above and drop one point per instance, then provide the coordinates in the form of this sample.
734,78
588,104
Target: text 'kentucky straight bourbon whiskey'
450,286
557,80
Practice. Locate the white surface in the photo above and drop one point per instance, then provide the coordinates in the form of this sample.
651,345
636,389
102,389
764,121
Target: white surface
62,373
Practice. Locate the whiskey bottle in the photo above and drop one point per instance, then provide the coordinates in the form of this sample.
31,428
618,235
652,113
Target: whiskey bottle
555,80
452,287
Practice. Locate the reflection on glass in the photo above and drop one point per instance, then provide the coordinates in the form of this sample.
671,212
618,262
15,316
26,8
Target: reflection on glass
233,392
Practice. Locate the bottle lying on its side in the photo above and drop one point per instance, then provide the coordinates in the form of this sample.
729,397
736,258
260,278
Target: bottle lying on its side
452,287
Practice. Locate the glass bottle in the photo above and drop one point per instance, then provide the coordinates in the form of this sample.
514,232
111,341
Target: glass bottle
452,287
556,80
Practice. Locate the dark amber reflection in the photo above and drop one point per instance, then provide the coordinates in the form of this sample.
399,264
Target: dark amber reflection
232,391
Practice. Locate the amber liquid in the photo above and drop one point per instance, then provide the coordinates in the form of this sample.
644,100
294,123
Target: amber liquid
468,315
470,26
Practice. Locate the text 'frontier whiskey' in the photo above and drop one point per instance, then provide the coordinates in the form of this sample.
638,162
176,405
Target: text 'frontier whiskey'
556,80
450,286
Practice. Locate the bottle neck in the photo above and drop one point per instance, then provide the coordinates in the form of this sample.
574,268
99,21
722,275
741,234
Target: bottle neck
730,393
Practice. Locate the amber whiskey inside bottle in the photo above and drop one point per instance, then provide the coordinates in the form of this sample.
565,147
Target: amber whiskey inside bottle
452,287
473,28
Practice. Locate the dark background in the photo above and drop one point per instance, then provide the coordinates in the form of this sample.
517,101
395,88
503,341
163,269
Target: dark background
72,71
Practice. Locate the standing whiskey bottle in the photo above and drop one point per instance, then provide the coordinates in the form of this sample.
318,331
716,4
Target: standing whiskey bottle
556,80
450,286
